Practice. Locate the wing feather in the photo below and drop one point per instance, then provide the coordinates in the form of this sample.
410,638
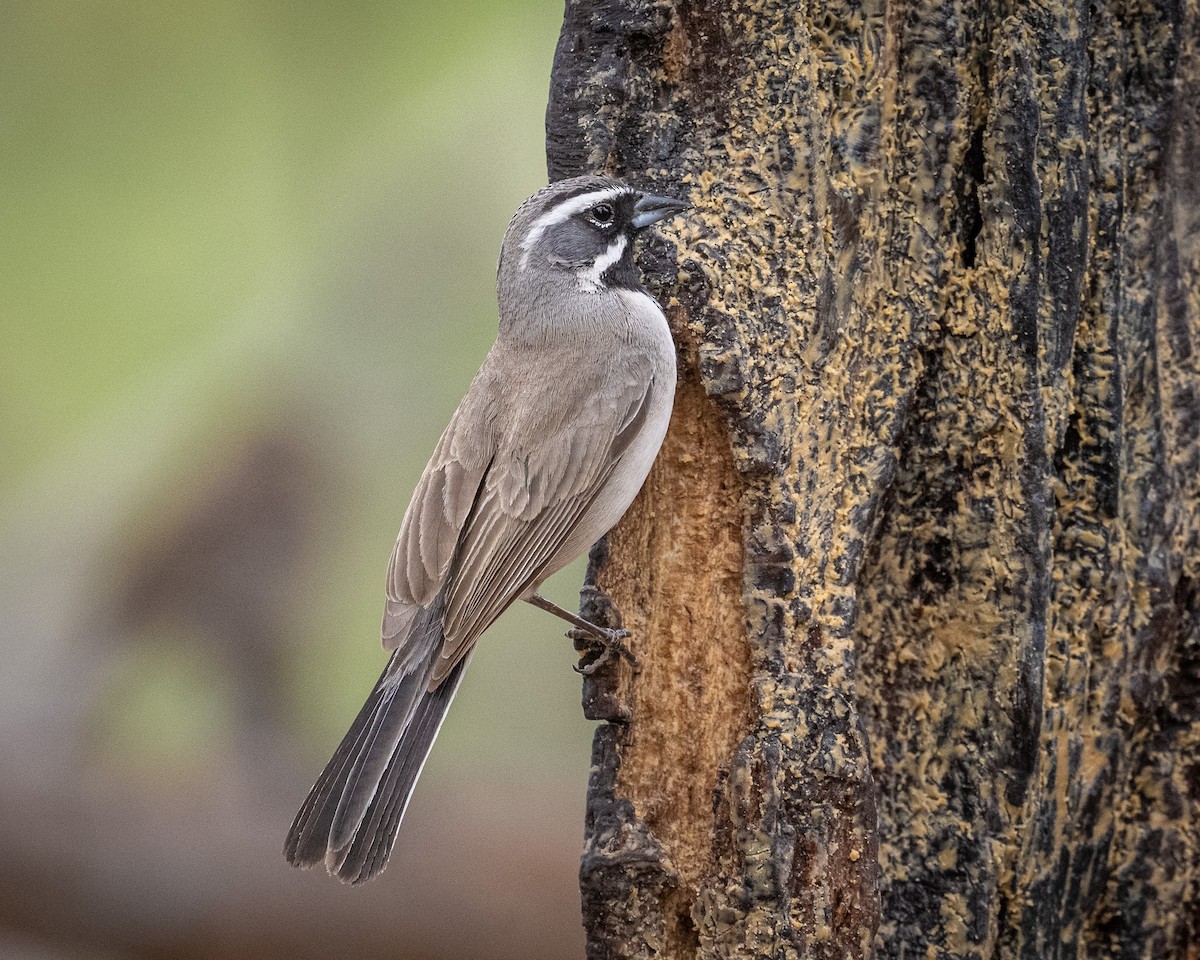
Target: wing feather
512,536
439,509
490,513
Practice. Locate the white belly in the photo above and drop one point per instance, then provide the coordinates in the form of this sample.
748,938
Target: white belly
627,479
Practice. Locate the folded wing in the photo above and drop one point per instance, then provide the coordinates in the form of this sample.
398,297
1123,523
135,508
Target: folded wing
494,506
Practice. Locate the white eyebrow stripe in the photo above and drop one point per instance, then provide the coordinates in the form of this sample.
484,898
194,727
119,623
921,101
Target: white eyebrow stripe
564,211
589,278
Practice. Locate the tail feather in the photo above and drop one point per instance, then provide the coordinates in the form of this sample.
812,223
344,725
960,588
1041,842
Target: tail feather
351,816
389,727
308,839
368,851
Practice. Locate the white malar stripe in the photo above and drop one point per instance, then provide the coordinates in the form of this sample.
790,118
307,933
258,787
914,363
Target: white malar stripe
564,211
589,279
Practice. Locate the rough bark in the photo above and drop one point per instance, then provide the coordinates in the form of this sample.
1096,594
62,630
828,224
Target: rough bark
914,583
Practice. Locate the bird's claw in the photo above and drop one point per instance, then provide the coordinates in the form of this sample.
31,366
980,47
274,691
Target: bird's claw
613,642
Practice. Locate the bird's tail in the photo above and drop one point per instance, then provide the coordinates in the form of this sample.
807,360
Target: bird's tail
350,818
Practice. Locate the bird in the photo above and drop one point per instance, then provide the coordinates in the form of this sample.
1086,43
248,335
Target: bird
551,443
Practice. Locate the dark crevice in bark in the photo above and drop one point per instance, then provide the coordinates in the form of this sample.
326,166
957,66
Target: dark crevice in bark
971,217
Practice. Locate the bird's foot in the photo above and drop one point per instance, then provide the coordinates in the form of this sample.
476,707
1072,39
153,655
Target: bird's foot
612,642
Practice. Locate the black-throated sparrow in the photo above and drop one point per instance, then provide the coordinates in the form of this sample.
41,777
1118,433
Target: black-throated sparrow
544,454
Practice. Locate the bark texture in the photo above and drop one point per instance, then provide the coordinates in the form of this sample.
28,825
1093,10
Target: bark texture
915,583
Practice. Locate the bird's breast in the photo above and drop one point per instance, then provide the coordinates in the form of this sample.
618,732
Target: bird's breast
649,350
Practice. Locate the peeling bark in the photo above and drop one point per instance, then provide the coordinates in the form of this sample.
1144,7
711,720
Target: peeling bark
914,583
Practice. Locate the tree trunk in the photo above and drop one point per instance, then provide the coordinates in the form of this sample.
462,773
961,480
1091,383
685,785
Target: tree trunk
915,582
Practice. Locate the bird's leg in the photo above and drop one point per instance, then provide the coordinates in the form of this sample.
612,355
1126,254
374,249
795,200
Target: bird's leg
586,626
611,640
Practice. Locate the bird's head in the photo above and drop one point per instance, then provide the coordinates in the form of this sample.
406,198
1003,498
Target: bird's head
580,230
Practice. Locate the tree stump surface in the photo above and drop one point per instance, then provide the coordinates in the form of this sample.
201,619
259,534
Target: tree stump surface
914,581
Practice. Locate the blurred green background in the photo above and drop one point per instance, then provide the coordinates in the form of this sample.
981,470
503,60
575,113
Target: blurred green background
248,254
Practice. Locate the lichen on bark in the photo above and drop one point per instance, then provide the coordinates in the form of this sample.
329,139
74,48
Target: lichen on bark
913,581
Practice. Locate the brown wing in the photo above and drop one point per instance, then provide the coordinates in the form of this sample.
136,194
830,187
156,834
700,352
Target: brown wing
439,509
529,503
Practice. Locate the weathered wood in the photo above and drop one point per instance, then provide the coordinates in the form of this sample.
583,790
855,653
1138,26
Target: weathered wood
914,583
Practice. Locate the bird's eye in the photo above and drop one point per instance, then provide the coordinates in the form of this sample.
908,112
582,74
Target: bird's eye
602,213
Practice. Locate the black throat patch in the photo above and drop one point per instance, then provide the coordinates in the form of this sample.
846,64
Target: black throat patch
623,274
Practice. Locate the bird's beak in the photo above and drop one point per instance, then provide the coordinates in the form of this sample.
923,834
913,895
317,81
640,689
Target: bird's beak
650,209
